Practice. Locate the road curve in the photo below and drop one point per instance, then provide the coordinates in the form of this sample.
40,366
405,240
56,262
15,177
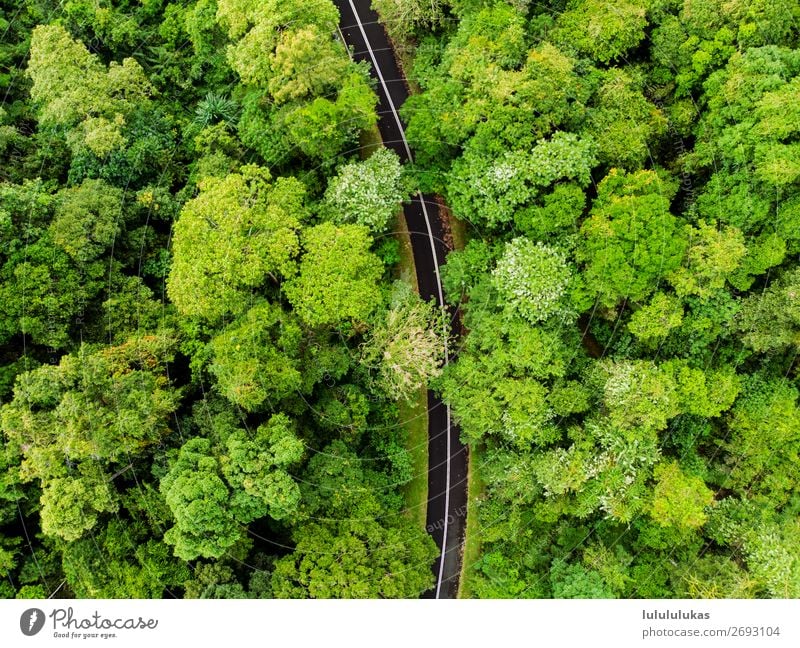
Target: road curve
447,456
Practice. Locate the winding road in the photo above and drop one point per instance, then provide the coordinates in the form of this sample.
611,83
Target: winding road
447,456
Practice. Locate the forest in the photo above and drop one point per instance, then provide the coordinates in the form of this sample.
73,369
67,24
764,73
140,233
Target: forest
209,338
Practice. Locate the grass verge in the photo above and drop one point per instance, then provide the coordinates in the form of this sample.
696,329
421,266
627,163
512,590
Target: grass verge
459,231
369,140
414,418
414,413
472,541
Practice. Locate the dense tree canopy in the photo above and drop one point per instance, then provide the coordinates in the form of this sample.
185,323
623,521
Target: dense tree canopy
337,282
209,349
190,283
630,239
238,232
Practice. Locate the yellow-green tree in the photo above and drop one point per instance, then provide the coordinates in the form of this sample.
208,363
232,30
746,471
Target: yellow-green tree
238,234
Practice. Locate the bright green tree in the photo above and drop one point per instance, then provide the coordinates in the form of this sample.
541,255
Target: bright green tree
120,561
602,29
338,278
72,88
712,257
631,239
257,357
624,124
198,498
43,290
653,322
356,559
488,189
679,499
240,232
102,405
215,489
306,63
770,321
763,441
531,279
302,88
402,17
256,470
71,505
87,219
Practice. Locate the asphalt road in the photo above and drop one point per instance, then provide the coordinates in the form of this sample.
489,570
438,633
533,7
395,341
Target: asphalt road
447,456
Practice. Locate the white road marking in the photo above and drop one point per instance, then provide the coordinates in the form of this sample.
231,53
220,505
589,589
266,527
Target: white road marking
56,590
436,269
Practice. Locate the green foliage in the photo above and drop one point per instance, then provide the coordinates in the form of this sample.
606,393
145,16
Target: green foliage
712,257
320,99
87,219
497,385
367,193
574,581
679,499
770,321
256,358
772,557
213,580
404,350
323,128
306,63
531,280
403,17
70,505
131,309
198,498
558,212
97,405
484,90
338,276
256,468
356,559
487,190
641,393
340,485
43,291
631,239
747,137
653,322
200,360
213,490
117,562
239,232
214,108
464,269
72,88
626,374
763,443
362,546
602,29
623,123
